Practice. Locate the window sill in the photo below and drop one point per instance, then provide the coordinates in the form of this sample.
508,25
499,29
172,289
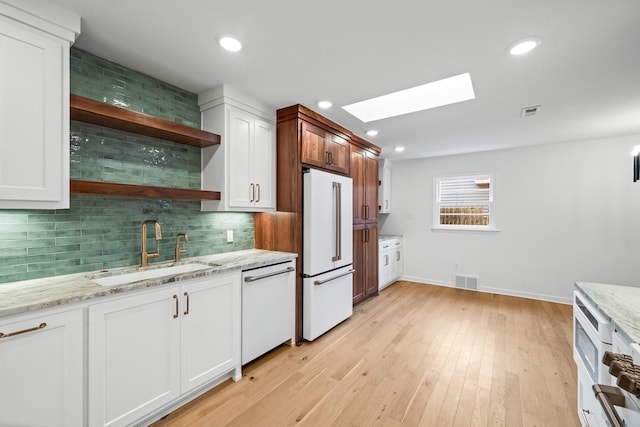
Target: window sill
461,229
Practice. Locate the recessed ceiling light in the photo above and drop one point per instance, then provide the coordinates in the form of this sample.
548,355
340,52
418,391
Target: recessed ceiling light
525,45
324,104
372,132
399,149
636,150
230,43
435,94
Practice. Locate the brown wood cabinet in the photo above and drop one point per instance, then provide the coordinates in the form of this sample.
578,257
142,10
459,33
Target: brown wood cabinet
322,149
304,138
365,261
364,171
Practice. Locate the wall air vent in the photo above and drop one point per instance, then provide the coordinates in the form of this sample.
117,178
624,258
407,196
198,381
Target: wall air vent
531,111
465,282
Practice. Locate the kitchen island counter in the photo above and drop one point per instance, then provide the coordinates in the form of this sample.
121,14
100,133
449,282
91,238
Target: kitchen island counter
619,304
37,294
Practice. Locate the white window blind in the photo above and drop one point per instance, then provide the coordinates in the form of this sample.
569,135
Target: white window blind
464,202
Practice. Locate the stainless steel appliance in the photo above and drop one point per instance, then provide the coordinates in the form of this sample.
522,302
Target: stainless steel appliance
327,251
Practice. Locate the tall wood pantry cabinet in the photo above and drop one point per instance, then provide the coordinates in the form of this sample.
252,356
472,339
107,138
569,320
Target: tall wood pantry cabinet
364,172
308,139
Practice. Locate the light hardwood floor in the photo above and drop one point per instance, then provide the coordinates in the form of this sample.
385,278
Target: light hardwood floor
416,355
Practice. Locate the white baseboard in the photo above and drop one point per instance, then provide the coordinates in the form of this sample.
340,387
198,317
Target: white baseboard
490,290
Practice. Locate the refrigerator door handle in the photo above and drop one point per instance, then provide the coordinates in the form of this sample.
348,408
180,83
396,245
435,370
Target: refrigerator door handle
322,282
338,195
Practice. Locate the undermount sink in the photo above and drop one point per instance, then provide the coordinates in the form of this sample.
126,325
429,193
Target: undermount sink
123,278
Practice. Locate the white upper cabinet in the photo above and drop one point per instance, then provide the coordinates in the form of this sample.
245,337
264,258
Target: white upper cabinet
34,104
384,191
243,166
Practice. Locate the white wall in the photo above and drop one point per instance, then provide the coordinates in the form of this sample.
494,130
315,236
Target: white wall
565,212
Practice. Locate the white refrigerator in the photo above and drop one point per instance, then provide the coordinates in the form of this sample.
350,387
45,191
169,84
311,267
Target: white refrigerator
327,252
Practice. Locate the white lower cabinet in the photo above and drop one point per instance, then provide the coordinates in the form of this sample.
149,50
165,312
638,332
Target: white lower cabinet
149,350
589,410
390,261
41,369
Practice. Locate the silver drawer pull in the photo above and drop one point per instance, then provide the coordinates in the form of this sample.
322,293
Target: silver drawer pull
264,276
322,282
24,331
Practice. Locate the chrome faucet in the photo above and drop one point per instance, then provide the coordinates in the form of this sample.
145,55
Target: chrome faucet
146,255
180,250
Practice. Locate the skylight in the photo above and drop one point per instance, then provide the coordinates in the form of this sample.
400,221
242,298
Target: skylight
435,94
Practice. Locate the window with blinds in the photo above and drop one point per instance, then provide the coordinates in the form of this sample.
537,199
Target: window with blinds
464,202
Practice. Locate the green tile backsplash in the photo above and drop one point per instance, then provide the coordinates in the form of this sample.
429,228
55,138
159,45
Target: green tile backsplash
106,232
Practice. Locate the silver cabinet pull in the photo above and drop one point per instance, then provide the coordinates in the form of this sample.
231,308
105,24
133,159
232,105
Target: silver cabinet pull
609,396
338,195
23,331
397,256
177,313
253,192
264,276
322,282
584,413
258,187
186,312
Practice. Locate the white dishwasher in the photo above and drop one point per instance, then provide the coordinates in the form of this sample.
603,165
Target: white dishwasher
268,308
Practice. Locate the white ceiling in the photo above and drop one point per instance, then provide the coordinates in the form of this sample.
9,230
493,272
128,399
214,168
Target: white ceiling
585,74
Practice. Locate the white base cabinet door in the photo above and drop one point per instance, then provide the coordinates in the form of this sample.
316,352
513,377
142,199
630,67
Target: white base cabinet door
148,350
134,356
210,330
390,262
41,370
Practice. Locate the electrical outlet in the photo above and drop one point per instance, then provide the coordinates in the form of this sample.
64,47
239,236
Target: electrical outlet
229,236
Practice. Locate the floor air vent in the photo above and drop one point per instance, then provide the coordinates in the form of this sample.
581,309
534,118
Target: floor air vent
465,282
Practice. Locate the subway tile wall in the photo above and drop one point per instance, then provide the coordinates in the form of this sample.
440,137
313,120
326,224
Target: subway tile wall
105,232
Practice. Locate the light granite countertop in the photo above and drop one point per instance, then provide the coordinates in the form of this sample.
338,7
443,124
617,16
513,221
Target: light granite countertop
384,237
619,304
31,295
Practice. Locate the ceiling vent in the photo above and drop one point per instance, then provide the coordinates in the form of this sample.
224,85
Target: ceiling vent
531,111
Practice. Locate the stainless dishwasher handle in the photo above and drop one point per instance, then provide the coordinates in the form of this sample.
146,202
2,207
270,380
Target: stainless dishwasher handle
264,276
609,396
322,282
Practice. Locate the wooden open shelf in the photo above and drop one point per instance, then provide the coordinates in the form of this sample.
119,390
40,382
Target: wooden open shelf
140,191
98,113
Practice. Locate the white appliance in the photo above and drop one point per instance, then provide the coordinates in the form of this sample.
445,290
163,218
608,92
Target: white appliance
327,251
592,335
621,405
268,308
